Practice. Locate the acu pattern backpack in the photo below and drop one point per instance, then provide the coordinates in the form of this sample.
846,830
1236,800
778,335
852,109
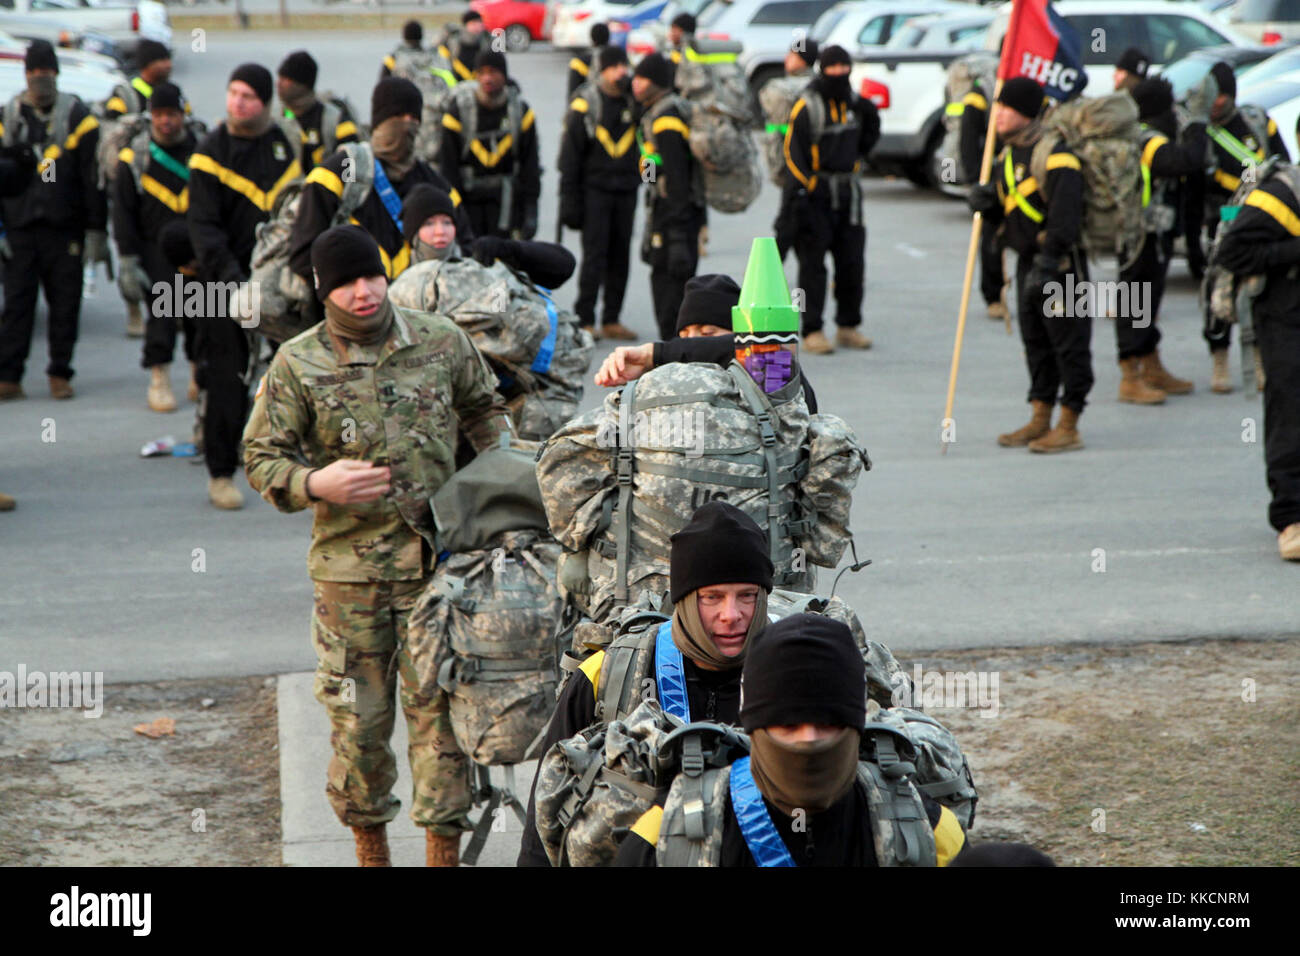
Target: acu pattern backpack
777,99
286,298
433,76
619,480
974,73
1104,133
720,113
538,351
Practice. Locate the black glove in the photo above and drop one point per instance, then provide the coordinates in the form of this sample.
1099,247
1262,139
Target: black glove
487,249
572,211
17,164
1284,253
528,228
681,264
1045,269
983,198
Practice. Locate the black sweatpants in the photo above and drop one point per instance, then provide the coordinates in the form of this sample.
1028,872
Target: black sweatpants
49,258
783,228
223,360
484,215
1278,340
667,290
1058,348
819,230
161,324
1137,335
606,251
992,277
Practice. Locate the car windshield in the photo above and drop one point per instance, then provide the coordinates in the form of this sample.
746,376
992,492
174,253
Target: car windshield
1275,65
1255,11
711,13
827,22
906,37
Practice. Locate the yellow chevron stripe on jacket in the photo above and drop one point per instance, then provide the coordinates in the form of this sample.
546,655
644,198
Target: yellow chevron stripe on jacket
164,195
1275,208
262,199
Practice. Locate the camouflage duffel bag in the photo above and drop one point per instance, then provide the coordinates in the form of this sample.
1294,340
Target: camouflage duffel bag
483,632
594,786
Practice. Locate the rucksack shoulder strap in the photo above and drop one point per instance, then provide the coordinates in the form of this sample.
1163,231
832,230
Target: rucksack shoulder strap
362,158
690,833
12,116
624,466
756,826
900,825
815,106
627,662
330,117
62,117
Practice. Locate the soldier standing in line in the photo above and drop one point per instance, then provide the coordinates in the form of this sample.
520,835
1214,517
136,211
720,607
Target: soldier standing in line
357,418
781,94
598,187
580,65
973,132
321,127
153,66
1131,69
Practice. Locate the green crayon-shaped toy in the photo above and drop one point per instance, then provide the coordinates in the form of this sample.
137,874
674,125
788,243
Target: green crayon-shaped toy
765,322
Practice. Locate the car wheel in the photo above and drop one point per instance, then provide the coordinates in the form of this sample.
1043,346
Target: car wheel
518,38
927,171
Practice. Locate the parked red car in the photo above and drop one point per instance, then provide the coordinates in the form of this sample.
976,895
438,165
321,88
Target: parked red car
522,20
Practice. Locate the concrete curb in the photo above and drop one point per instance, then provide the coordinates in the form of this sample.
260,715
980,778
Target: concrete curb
311,834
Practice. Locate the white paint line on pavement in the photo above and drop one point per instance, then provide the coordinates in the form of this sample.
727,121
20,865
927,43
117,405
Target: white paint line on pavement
912,251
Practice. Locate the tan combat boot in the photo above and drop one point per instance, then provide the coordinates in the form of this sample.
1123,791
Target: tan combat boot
11,390
1220,379
997,311
1156,375
60,387
1039,425
161,398
134,321
817,344
1064,437
441,850
1288,542
7,502
372,845
192,389
616,330
851,338
224,495
1132,387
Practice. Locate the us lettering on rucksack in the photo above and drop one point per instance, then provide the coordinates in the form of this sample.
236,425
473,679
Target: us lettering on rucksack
720,117
1104,133
285,304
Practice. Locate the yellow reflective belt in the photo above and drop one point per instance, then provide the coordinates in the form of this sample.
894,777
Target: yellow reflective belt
695,57
1032,214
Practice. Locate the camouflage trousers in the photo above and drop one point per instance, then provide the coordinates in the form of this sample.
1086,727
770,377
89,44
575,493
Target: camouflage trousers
359,632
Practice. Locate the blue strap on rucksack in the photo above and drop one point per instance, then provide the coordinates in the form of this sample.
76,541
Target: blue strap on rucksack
670,674
764,842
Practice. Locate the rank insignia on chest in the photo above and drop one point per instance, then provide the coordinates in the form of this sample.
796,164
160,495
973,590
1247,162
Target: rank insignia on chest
279,152
1251,143
313,137
626,116
1020,171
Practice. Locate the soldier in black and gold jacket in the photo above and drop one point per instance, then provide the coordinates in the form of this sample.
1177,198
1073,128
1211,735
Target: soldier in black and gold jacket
580,64
321,127
54,225
1045,238
236,173
598,185
151,189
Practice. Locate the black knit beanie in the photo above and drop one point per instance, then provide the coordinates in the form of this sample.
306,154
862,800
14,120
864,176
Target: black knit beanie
342,255
833,55
1153,96
300,67
491,58
1226,79
719,545
469,16
599,34
256,76
656,68
150,51
165,96
1134,61
41,56
809,50
174,242
707,300
413,33
1023,95
685,22
610,56
423,201
1001,854
804,669
394,96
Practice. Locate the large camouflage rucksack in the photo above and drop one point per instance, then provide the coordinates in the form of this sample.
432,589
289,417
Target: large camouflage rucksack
432,74
592,787
777,99
285,297
539,352
973,73
891,771
1103,132
619,480
1226,298
333,109
720,117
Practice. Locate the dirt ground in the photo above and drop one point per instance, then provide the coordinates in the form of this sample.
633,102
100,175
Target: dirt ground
1140,755
92,792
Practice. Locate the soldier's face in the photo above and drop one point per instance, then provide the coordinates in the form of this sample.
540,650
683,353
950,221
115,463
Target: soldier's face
725,612
794,62
639,87
702,330
837,69
490,80
614,75
675,36
166,123
802,733
1120,77
1008,121
361,296
241,102
474,26
159,71
438,231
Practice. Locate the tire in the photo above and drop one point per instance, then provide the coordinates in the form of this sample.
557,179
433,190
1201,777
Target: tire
925,172
517,38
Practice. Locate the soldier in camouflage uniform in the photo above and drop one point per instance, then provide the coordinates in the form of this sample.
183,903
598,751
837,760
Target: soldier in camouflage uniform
357,418
801,784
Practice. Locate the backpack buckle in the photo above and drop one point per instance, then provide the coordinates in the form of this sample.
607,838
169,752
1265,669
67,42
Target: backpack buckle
692,756
623,466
